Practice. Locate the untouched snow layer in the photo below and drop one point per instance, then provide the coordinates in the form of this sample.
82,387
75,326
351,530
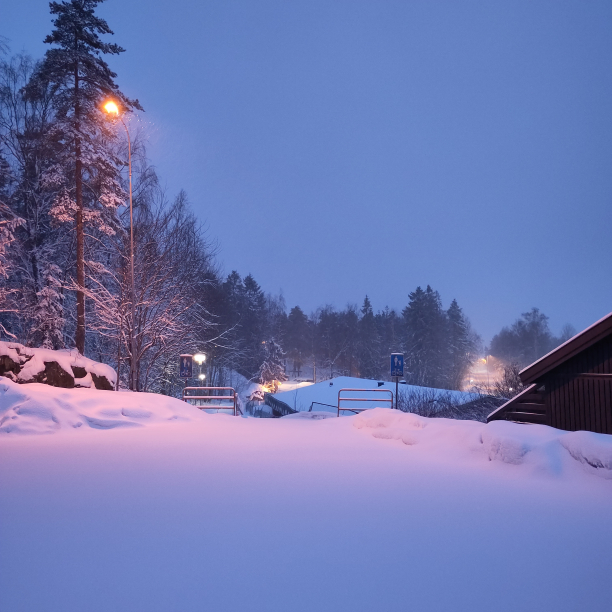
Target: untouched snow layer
325,394
382,511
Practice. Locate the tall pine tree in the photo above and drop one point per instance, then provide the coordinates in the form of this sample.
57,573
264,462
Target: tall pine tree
460,346
297,335
388,325
86,176
369,365
424,324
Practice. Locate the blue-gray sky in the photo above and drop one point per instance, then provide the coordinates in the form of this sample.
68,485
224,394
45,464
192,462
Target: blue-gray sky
341,148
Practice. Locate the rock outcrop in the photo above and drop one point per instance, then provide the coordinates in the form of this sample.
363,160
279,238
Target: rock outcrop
66,368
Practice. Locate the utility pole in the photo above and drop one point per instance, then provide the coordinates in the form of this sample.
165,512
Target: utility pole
112,109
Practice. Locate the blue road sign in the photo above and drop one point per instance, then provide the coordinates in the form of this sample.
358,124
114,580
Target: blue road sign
186,366
397,364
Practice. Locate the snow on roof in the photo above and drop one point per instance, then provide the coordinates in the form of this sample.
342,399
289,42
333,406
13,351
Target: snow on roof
581,341
325,394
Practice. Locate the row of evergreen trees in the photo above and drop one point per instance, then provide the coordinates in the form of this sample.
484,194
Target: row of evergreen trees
438,344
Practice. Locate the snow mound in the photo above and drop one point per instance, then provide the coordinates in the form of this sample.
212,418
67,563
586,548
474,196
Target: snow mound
591,449
537,446
37,409
312,416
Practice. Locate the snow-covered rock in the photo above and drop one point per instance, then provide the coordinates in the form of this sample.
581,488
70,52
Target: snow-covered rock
65,368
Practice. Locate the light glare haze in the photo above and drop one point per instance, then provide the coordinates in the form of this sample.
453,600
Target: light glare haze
338,149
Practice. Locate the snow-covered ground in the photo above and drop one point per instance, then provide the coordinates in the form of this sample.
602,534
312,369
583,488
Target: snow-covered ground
381,511
325,393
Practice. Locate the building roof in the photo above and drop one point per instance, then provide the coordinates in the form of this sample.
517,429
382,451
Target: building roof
567,350
526,406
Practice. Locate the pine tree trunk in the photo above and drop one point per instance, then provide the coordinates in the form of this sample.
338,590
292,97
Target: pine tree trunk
80,255
80,250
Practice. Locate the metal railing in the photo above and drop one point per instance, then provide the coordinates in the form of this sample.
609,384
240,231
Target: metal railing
319,404
232,396
279,408
341,399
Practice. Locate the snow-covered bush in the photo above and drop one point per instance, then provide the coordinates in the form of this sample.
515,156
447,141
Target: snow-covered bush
434,403
272,370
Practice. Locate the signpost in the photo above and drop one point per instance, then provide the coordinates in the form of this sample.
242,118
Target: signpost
186,366
397,371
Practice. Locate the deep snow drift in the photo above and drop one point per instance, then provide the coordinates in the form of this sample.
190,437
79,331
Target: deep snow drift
39,408
381,511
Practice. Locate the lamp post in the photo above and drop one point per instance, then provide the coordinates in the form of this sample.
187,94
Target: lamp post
112,109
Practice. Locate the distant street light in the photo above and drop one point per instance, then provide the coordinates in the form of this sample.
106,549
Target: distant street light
200,358
112,109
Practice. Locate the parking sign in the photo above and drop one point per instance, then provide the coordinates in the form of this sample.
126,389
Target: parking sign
186,366
397,364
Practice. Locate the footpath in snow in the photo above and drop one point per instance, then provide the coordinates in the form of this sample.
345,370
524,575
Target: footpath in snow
122,501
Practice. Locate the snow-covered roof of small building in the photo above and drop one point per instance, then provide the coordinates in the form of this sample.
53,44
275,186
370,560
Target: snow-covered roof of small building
324,395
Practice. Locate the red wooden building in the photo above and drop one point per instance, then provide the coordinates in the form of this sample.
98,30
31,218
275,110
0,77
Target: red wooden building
571,387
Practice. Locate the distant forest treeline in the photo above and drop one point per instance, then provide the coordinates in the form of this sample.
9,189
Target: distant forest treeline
439,345
527,339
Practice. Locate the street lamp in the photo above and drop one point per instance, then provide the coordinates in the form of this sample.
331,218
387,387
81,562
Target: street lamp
200,358
112,109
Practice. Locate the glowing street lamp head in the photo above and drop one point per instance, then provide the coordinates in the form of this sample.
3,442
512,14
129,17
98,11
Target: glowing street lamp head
199,358
111,108
202,376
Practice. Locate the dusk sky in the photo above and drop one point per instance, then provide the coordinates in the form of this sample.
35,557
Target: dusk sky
338,149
